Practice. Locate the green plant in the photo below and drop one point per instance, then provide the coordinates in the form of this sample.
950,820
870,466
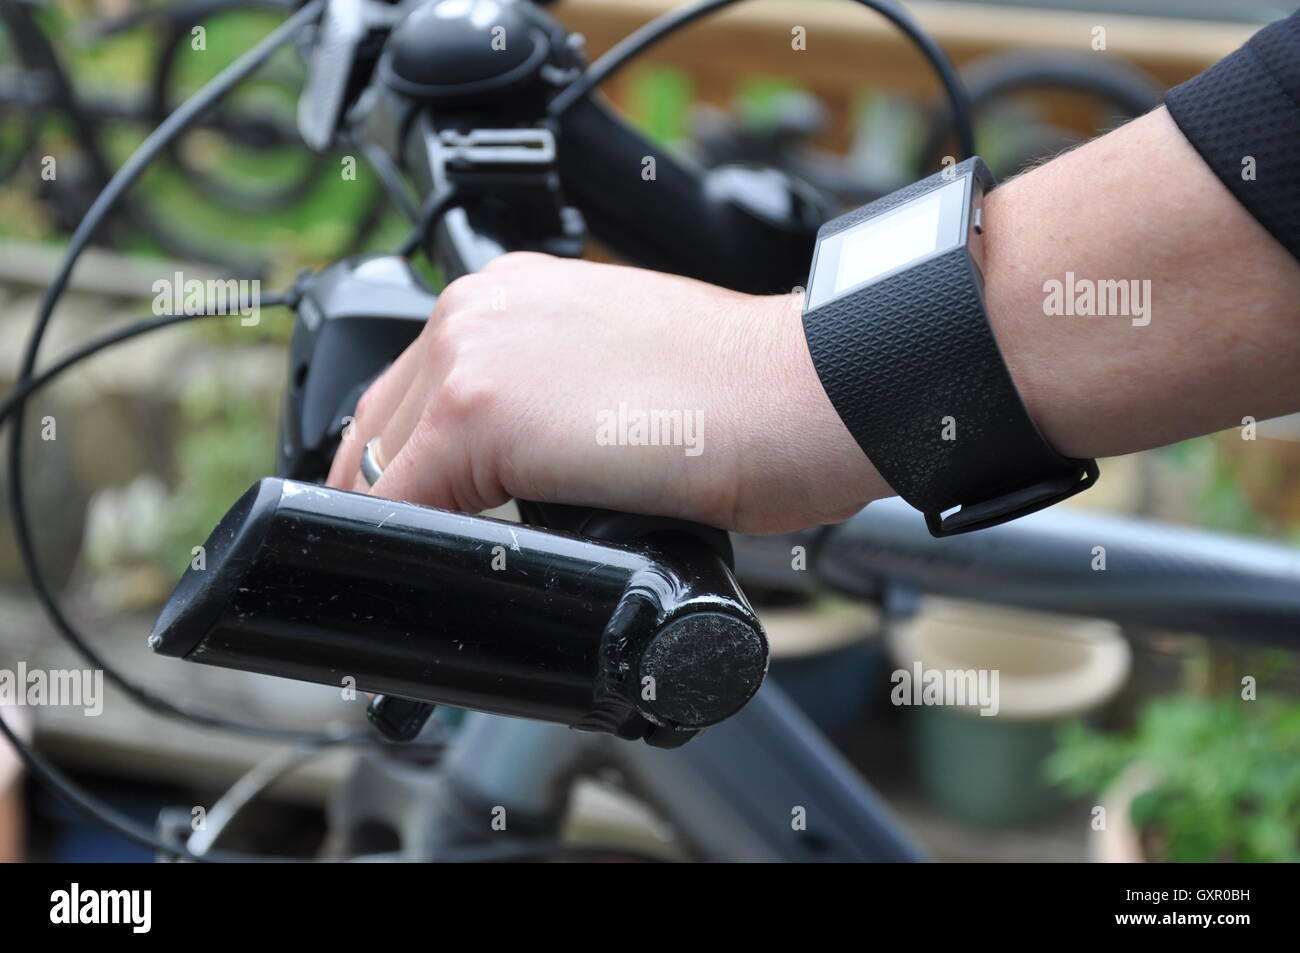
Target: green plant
1226,776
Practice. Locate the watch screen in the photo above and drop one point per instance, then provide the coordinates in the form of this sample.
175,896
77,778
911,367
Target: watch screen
884,244
889,242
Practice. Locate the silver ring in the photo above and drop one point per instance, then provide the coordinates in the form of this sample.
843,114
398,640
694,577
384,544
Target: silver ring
370,468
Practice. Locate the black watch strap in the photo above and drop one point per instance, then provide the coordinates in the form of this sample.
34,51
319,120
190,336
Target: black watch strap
911,365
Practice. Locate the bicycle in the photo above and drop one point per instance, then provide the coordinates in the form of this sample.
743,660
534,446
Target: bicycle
317,584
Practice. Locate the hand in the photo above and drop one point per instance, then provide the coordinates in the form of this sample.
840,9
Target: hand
550,379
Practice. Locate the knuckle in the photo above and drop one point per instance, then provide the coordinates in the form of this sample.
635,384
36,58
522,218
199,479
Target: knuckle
464,397
458,295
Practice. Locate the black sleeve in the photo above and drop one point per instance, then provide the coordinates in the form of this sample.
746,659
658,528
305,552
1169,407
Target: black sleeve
1248,105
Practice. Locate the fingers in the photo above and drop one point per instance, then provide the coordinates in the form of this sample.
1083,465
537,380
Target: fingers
394,431
396,409
448,457
397,392
436,467
375,406
392,418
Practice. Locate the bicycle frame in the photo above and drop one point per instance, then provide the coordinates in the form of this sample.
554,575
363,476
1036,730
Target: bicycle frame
740,792
729,795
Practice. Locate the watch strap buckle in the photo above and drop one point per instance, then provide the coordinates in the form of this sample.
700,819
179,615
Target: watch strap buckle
1016,503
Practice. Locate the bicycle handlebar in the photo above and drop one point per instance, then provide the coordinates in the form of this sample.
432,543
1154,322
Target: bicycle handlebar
648,640
635,627
1129,570
747,229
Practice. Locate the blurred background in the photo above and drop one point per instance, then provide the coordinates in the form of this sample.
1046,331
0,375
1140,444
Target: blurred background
156,439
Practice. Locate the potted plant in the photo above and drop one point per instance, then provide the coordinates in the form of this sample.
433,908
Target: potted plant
983,764
1198,779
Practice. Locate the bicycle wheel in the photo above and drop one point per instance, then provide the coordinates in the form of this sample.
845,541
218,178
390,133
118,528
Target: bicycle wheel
993,81
246,156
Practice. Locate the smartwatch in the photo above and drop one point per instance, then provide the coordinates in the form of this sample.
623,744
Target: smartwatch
896,325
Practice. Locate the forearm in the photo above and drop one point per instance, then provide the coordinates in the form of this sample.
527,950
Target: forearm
459,421
1223,301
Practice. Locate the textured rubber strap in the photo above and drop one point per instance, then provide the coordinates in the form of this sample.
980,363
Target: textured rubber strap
911,366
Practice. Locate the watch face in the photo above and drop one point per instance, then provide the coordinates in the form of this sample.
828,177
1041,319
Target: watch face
930,224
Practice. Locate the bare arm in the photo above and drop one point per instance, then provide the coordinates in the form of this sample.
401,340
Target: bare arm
1223,338
503,393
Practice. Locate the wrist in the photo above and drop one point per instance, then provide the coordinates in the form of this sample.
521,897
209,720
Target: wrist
898,331
825,470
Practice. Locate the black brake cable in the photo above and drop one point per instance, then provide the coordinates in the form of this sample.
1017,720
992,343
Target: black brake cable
390,180
83,803
93,809
184,116
18,398
637,42
438,203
